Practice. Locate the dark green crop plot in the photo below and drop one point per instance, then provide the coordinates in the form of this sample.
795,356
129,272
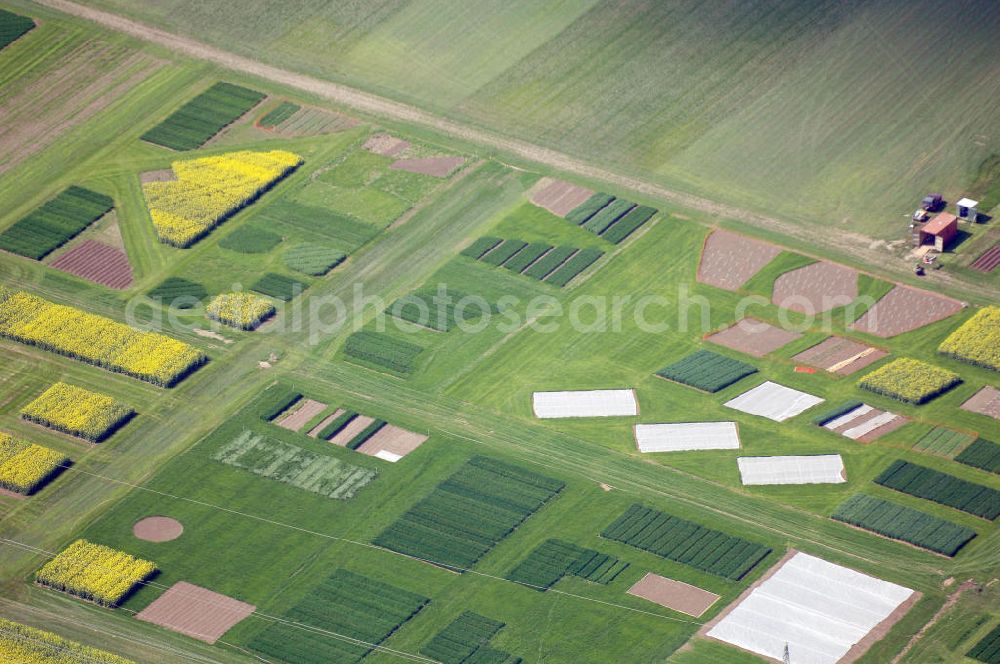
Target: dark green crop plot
55,223
284,111
574,266
178,292
13,26
460,640
504,252
915,480
628,224
469,513
275,400
479,248
203,117
608,215
336,425
527,256
250,240
279,286
707,371
686,542
313,259
548,263
988,650
835,412
383,351
348,604
365,434
553,559
581,214
903,523
981,454
439,311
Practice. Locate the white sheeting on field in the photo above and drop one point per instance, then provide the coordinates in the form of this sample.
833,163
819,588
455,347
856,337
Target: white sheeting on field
681,436
773,401
386,455
819,609
818,469
849,416
585,403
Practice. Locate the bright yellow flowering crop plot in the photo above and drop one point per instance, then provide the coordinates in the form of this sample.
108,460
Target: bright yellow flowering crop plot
27,645
977,341
25,466
95,572
240,310
909,380
77,411
209,190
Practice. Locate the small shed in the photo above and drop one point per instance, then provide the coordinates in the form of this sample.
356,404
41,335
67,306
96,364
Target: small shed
967,209
939,231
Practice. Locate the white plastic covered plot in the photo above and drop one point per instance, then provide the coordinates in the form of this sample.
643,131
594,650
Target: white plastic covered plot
773,401
818,469
585,403
681,436
819,609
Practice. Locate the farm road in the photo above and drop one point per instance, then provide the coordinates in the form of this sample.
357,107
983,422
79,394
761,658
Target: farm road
858,246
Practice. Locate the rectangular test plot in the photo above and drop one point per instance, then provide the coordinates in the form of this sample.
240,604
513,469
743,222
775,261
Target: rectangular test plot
585,403
817,469
684,436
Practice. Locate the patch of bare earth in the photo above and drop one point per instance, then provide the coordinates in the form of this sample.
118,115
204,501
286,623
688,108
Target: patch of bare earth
729,260
162,175
753,337
196,612
11,494
97,262
840,356
157,529
558,196
392,443
985,402
314,432
439,167
814,288
298,417
385,145
904,309
353,428
675,595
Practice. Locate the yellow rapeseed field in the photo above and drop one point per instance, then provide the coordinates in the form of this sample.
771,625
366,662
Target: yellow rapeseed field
24,465
149,356
208,190
21,644
977,341
77,411
241,310
94,572
909,380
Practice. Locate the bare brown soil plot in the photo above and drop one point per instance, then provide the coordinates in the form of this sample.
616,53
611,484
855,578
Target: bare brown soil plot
196,612
904,309
158,529
729,260
439,167
326,420
299,417
97,262
385,145
840,356
753,337
985,402
988,260
558,196
815,288
353,428
395,441
162,175
673,594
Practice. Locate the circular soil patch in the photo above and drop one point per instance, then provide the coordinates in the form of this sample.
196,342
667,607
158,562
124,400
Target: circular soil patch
157,529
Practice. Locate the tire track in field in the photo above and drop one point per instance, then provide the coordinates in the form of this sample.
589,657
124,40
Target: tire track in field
856,246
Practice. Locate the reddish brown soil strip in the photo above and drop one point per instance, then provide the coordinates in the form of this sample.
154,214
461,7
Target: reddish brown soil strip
945,608
394,440
985,402
672,594
889,427
298,418
12,494
904,309
840,356
326,420
988,260
97,262
196,612
353,428
753,337
438,167
162,175
729,260
557,196
385,145
880,630
815,288
157,529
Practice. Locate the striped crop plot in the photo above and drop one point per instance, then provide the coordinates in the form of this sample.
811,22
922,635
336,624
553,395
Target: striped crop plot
614,219
466,640
941,488
55,223
904,309
943,442
685,436
469,513
984,402
295,466
440,310
814,608
382,351
553,559
814,469
707,371
686,542
988,649
861,422
279,286
674,595
200,119
179,293
13,26
362,611
981,454
585,403
753,337
553,265
988,260
280,113
904,524
97,262
729,260
314,260
773,401
196,612
840,356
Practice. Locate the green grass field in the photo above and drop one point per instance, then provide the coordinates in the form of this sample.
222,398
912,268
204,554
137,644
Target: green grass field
271,515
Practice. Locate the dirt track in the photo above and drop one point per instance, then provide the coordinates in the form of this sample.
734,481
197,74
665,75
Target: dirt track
855,245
